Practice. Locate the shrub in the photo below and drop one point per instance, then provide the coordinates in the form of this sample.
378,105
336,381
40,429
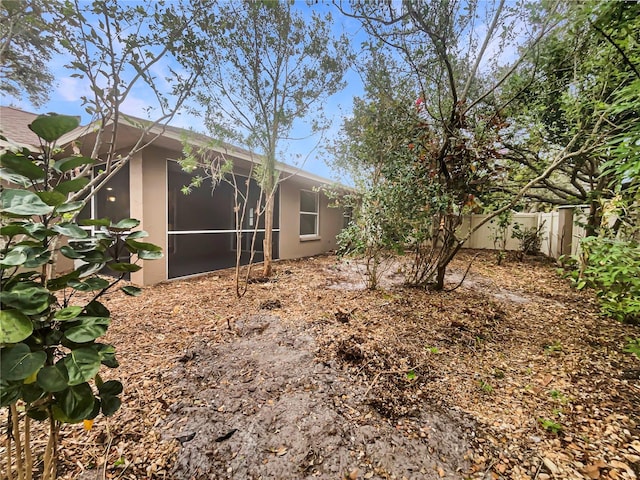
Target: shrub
612,268
50,358
530,238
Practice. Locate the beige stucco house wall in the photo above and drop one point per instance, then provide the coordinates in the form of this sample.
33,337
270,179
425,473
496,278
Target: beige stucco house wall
149,172
330,219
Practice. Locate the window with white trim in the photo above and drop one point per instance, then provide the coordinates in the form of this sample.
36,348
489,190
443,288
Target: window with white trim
308,213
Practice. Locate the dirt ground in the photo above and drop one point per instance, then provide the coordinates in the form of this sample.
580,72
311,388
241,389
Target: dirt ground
309,375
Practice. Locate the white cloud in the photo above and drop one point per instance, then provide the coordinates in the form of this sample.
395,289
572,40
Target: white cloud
71,89
138,107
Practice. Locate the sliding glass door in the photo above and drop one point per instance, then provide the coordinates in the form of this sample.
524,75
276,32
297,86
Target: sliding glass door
202,224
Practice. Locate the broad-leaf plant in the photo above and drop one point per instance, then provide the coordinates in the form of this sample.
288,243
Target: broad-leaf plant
51,321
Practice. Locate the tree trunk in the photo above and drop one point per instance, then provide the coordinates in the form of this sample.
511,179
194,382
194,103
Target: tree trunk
268,235
442,269
593,221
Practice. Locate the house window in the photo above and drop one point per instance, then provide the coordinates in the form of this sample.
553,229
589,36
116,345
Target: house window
308,213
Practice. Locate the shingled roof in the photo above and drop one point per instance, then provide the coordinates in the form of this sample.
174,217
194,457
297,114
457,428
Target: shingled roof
14,126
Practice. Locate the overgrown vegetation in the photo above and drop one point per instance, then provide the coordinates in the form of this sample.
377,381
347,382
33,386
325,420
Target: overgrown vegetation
51,321
530,238
611,268
441,150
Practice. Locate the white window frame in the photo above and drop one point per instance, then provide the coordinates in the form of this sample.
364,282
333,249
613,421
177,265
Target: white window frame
316,234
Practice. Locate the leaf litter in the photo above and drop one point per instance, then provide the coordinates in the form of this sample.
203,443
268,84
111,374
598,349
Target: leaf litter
513,375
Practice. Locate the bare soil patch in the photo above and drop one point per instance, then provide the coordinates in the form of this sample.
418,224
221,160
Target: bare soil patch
304,379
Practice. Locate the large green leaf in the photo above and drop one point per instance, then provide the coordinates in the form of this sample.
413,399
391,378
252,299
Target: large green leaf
68,313
14,326
53,378
90,284
90,269
22,166
23,203
82,364
126,224
110,388
38,231
87,245
69,252
134,246
148,255
39,413
75,403
9,392
70,163
51,127
86,329
71,186
28,297
70,230
96,309
137,234
131,290
69,207
32,392
52,198
8,176
124,267
110,405
107,355
37,256
13,229
109,391
19,362
15,257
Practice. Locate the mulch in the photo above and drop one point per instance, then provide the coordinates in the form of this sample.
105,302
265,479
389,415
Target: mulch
535,375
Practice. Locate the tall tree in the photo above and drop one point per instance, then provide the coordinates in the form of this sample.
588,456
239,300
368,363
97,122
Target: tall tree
454,50
588,70
119,50
269,67
27,42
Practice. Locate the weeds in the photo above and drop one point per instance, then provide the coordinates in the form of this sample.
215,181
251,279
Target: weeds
550,425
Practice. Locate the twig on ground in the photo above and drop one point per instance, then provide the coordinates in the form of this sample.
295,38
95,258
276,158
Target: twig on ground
538,470
464,276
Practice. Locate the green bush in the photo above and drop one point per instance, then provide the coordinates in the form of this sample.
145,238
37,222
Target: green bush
612,268
530,238
50,323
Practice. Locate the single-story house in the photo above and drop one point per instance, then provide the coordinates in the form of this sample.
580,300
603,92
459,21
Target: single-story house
197,232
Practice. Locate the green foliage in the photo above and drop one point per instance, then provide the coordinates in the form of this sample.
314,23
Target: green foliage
27,42
50,323
554,347
269,66
550,425
589,109
427,138
633,347
485,386
498,227
530,238
612,268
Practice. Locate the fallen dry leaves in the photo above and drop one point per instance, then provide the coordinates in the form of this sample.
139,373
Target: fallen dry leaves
536,375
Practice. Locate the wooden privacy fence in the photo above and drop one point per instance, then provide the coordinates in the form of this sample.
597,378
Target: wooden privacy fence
560,234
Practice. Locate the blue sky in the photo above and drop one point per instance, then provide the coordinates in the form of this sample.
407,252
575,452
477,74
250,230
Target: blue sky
66,93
